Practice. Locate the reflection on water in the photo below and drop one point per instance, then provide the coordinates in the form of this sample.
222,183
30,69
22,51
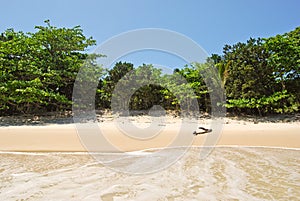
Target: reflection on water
229,173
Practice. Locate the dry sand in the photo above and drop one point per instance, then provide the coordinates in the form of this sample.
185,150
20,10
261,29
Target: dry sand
65,138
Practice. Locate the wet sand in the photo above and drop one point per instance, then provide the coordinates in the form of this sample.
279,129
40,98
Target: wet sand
229,173
65,138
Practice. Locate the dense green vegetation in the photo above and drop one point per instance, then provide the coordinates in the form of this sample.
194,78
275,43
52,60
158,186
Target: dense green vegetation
38,71
262,75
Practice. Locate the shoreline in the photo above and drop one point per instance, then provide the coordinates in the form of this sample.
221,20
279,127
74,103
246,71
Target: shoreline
29,152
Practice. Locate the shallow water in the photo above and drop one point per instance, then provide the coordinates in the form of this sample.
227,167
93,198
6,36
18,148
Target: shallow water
228,173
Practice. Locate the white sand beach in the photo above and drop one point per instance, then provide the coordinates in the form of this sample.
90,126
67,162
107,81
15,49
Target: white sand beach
64,137
250,162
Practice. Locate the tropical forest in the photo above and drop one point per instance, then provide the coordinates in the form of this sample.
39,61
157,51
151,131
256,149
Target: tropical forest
260,76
